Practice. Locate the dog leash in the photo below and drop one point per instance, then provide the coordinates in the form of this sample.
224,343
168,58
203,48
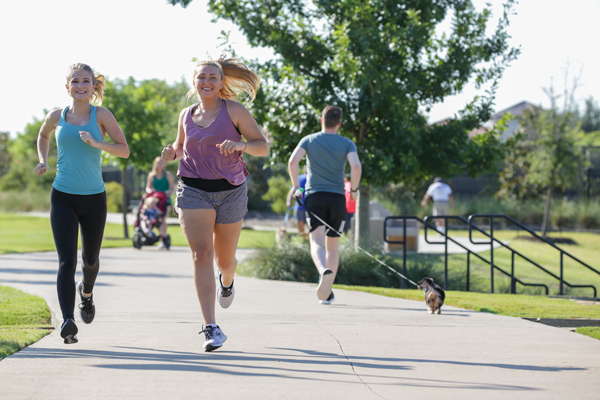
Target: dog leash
298,196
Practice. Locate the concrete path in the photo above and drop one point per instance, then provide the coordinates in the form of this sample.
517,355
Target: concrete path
283,344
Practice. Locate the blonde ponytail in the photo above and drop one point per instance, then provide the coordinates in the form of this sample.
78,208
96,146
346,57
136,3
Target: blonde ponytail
236,76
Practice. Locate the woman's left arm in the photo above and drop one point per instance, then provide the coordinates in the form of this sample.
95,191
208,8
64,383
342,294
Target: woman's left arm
255,143
108,125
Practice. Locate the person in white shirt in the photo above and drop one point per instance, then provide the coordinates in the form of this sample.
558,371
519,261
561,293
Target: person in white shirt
441,194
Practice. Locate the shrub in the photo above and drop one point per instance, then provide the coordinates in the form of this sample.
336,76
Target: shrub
587,220
24,201
279,188
589,215
114,196
292,262
286,263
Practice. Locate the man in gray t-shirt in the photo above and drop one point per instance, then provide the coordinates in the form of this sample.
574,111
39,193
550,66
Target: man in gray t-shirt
327,153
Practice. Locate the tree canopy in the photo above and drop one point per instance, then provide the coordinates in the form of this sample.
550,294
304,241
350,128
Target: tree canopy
385,63
147,113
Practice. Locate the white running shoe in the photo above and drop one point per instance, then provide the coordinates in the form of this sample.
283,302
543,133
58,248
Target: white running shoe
214,337
225,295
325,283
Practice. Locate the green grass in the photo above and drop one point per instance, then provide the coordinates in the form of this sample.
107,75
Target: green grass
21,233
591,331
586,249
24,319
513,305
25,234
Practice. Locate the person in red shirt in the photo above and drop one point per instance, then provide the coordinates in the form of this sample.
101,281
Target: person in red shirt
350,204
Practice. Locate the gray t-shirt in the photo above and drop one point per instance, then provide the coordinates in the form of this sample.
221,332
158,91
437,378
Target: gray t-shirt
326,161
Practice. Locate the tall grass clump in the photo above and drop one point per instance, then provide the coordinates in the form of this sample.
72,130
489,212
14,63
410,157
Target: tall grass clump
114,196
24,201
589,215
292,262
572,213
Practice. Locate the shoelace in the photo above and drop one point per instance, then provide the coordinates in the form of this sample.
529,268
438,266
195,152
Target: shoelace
208,332
86,304
226,292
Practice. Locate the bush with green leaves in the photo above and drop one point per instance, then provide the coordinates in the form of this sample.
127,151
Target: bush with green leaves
292,262
25,200
566,213
279,187
114,196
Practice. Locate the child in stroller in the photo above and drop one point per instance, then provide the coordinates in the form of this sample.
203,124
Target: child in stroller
150,215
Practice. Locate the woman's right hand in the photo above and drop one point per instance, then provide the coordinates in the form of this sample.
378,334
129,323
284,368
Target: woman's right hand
168,153
41,168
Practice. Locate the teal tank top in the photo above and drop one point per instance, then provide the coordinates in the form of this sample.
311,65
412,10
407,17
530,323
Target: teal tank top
78,167
162,185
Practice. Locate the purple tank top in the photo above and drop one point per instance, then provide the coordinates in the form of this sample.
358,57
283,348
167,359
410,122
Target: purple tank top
201,157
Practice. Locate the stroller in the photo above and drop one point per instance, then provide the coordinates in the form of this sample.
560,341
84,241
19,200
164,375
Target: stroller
150,215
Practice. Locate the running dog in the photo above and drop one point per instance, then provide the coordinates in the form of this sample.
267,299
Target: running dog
434,295
281,236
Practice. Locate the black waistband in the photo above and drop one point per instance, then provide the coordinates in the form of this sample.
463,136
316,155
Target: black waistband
209,185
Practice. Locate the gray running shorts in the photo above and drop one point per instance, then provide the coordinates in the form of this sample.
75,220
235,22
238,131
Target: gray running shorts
441,208
231,205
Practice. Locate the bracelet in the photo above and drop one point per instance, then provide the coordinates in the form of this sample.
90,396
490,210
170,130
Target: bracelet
174,155
354,191
245,146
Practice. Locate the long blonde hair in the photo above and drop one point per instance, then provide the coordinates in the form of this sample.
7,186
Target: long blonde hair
98,80
157,161
236,78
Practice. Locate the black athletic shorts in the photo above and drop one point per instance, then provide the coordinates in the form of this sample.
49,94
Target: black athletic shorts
330,207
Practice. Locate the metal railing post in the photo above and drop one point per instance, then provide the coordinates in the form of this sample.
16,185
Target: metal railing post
513,283
492,254
561,274
468,270
446,253
404,252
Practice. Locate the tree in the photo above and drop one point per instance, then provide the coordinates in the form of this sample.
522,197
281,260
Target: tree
554,159
21,154
5,158
147,113
590,120
382,62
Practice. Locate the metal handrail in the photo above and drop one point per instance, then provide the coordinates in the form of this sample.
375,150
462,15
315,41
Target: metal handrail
560,278
445,243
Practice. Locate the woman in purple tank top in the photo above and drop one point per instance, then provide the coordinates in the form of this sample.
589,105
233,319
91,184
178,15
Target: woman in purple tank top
212,194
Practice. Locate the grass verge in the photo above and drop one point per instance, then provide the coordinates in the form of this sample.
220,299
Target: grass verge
512,305
25,234
591,331
24,319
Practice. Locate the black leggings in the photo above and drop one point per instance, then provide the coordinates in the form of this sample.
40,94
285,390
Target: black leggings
67,213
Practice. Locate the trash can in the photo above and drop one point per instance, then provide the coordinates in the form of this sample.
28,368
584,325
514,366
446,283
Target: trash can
395,233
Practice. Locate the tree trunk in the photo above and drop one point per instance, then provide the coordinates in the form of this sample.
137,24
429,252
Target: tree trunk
547,213
362,229
125,201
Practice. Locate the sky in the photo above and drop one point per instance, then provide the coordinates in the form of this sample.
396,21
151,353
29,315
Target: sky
146,39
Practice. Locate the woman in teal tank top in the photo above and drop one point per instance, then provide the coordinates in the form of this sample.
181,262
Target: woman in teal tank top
78,197
161,180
